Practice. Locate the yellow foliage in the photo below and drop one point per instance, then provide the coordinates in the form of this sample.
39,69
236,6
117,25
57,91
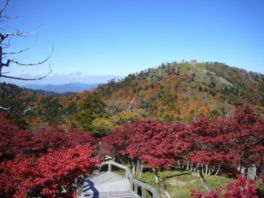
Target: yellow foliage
102,125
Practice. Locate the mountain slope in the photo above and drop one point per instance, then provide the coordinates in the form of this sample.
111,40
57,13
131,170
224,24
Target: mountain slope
171,92
185,91
32,109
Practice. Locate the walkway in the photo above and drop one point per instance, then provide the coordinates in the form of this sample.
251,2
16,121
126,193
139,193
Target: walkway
112,185
108,185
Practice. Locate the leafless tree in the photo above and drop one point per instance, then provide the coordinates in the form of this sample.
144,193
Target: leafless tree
6,61
5,38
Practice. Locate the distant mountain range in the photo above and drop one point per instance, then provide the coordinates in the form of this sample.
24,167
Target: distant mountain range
61,79
62,88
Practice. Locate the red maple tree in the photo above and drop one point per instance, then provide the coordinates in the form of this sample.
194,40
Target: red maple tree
45,162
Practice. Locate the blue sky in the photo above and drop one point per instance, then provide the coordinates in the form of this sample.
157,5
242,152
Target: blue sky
118,37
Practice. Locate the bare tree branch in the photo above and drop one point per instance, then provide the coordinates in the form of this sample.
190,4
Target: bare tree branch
21,78
21,34
17,34
4,45
9,61
3,37
4,108
18,52
130,105
29,108
3,8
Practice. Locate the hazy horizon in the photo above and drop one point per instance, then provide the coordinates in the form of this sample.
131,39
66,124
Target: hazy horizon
60,79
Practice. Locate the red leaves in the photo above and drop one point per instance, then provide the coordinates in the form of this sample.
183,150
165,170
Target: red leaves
43,162
143,144
242,188
229,141
245,115
15,141
213,194
206,157
49,171
226,141
148,141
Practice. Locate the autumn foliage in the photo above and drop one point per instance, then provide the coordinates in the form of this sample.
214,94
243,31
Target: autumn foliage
229,142
46,162
242,188
147,141
226,145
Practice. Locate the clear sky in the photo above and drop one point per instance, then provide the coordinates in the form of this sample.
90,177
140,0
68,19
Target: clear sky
118,37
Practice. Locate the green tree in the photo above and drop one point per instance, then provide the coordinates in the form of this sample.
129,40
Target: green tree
88,110
102,126
51,110
127,117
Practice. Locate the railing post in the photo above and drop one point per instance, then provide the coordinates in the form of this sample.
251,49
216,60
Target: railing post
144,193
126,173
109,167
136,188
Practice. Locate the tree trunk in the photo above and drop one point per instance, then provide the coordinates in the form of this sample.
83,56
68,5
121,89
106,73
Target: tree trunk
187,165
138,167
203,170
141,169
191,169
179,164
197,166
212,170
203,181
206,169
1,57
218,170
239,167
209,171
133,168
243,171
252,172
164,189
155,172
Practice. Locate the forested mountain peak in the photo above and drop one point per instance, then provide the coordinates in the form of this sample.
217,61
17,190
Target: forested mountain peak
171,92
183,91
200,72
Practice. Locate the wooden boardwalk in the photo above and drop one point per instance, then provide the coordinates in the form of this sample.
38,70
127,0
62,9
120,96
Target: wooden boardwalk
112,185
106,185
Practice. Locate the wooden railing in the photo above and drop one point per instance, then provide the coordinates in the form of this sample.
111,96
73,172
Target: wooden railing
136,185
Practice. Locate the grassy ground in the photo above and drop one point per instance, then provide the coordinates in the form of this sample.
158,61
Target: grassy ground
181,186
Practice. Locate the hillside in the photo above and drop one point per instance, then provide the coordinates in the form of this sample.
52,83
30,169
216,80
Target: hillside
169,93
185,91
31,109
